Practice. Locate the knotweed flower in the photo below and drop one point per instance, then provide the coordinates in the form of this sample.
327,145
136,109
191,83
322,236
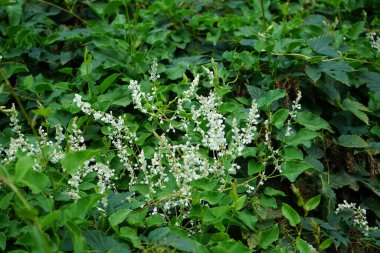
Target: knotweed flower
359,218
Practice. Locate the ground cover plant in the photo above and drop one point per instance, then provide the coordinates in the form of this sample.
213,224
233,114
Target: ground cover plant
189,126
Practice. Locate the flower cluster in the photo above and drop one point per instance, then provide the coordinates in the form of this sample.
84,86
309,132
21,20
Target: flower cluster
296,106
359,218
374,40
121,137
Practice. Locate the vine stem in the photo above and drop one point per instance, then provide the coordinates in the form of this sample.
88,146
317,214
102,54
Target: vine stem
64,10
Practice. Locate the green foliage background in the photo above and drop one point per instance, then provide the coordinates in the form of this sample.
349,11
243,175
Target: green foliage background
51,50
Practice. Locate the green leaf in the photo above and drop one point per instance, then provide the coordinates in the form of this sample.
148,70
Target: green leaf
292,153
72,161
80,208
6,200
230,247
321,45
118,217
270,97
267,237
154,220
311,121
273,192
130,235
107,82
279,117
23,166
312,203
325,244
212,197
76,236
101,243
248,219
313,73
49,220
43,111
112,7
292,169
357,109
303,247
137,218
290,214
303,136
3,241
239,203
267,201
254,167
176,238
36,181
14,12
352,141
337,70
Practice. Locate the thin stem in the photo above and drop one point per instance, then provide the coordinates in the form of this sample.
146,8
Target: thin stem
64,10
15,189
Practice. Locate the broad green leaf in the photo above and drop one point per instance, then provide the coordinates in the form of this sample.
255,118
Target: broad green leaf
130,235
239,203
278,118
292,169
290,214
303,247
254,167
6,200
267,237
313,73
248,219
267,201
355,30
112,7
230,247
311,121
176,238
212,197
270,97
337,70
76,236
36,181
48,220
118,217
23,166
14,12
80,208
352,141
249,152
302,136
292,153
312,203
321,45
154,220
72,161
137,218
358,109
99,242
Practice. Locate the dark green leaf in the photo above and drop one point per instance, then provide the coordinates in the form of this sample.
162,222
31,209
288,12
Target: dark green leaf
352,141
267,237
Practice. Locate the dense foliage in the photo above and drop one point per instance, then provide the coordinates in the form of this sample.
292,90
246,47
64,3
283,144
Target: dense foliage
189,126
